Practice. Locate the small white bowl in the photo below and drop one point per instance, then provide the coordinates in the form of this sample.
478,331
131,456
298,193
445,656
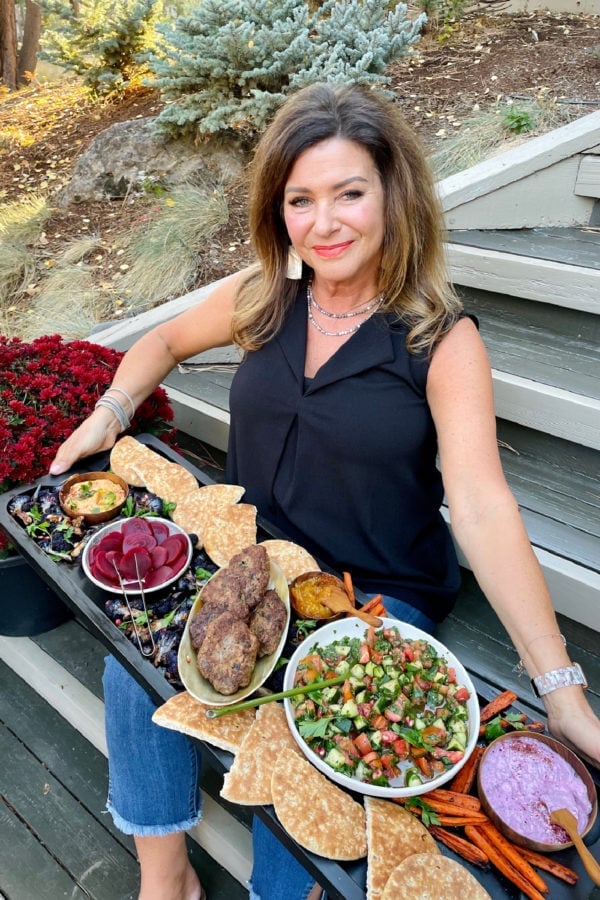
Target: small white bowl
133,587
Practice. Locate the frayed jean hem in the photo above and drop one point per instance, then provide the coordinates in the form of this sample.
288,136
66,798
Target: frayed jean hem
254,896
150,830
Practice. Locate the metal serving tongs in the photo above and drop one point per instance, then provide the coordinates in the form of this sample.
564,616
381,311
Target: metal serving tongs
132,611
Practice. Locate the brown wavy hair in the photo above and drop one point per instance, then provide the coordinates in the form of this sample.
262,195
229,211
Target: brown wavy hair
413,275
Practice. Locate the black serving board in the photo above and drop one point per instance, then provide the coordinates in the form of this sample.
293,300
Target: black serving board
342,881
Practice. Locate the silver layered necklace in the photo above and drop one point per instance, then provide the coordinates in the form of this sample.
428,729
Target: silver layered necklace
370,307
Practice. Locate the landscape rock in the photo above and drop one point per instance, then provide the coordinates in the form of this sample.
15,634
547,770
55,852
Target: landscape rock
129,154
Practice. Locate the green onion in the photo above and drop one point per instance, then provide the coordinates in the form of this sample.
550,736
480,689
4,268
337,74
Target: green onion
258,701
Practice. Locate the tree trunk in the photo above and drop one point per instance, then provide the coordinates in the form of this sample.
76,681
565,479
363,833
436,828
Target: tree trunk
8,44
31,40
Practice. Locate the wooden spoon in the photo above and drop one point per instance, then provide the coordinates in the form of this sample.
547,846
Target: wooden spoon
567,820
337,600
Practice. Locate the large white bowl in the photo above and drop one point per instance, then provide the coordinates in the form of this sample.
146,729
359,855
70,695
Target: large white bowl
117,525
353,627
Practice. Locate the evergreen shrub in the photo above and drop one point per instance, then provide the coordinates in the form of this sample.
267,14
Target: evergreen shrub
101,40
229,64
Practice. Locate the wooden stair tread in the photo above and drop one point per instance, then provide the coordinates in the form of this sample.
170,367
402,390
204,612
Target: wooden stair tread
556,485
555,346
577,246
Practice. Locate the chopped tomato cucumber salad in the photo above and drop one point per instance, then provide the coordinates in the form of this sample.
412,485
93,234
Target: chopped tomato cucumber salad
399,715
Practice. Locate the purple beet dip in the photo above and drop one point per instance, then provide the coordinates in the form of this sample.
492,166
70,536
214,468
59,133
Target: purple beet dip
523,779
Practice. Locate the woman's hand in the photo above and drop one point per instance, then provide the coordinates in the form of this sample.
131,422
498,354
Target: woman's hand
98,432
573,721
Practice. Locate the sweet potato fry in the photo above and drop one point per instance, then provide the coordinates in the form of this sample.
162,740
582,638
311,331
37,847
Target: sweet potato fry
535,726
349,588
460,821
378,610
456,799
514,856
497,705
368,606
460,845
464,780
504,865
541,861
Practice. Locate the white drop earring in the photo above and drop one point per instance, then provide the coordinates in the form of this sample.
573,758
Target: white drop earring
294,264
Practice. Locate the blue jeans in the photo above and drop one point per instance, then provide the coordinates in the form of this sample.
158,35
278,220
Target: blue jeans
276,874
154,773
154,777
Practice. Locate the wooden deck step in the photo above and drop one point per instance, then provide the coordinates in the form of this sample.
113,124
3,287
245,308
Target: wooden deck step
62,671
56,840
556,347
571,246
516,274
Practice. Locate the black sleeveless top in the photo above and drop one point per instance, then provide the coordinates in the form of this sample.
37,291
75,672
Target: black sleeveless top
345,464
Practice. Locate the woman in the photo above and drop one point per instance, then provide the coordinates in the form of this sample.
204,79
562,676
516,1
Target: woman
359,369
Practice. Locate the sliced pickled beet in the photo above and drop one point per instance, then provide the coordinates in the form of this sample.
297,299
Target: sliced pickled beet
176,545
159,530
138,539
103,568
179,562
159,557
136,525
128,568
92,553
159,576
111,541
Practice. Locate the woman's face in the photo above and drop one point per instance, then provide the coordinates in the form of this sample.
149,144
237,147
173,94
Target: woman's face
334,211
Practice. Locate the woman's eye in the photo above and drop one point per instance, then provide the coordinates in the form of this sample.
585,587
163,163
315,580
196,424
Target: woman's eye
352,195
299,201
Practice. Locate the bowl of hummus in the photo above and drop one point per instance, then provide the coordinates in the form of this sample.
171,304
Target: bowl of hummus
96,496
522,777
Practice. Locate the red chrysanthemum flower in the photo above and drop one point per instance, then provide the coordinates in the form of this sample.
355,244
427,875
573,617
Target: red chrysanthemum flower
47,387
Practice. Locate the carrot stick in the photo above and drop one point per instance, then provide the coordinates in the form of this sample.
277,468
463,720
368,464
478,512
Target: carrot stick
455,821
452,809
496,857
368,606
514,856
460,845
497,705
464,780
350,588
549,865
464,801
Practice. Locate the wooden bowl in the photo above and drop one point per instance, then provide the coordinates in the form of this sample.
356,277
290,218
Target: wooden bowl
533,829
107,506
305,591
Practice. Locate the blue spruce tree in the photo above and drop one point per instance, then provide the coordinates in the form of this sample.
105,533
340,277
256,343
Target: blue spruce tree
230,63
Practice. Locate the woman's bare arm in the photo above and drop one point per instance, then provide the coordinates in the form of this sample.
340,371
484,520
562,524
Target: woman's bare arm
488,527
149,360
